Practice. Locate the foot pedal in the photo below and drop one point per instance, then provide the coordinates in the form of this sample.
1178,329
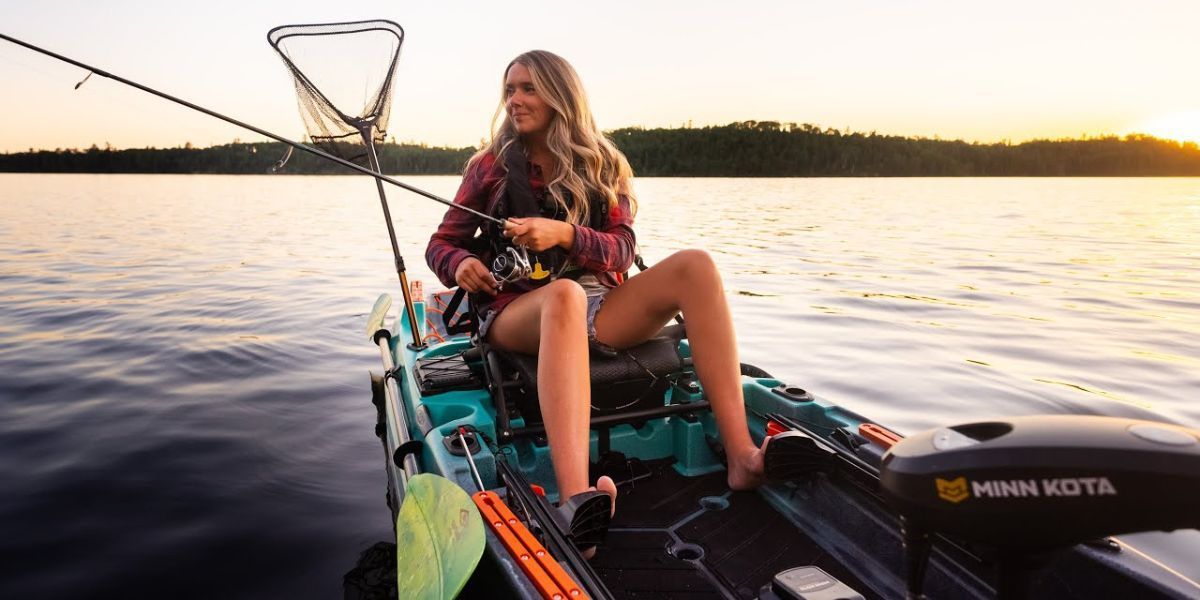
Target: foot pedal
585,517
795,455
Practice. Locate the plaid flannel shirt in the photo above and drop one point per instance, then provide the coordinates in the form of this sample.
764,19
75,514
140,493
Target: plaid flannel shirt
606,254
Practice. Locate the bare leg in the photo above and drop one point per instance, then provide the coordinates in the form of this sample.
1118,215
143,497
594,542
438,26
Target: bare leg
688,282
551,322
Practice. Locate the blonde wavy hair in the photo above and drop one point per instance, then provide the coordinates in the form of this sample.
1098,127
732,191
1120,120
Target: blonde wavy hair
587,161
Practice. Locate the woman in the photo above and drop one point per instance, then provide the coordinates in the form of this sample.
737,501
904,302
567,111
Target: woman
548,139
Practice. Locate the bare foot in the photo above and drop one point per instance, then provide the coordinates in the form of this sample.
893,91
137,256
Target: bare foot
605,484
746,471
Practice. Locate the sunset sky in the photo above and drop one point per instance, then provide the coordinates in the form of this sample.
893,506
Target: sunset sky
978,71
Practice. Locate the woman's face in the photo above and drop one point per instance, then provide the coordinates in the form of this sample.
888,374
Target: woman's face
526,109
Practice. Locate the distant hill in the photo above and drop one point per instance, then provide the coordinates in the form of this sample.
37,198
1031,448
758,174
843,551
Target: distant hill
746,149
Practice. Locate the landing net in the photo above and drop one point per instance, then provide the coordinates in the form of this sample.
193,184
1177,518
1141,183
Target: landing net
344,73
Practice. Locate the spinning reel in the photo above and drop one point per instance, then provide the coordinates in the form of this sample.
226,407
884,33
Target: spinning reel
511,265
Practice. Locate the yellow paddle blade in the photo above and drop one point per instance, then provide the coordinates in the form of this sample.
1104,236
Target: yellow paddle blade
439,539
378,314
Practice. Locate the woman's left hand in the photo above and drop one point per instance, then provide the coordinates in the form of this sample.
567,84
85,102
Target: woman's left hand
538,234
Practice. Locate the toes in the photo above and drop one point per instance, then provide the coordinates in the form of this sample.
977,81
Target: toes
605,484
748,472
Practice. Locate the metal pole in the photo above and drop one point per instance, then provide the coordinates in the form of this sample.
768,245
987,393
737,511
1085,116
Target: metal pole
462,439
387,218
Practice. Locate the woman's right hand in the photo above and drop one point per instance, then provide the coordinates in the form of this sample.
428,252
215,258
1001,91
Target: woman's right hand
472,276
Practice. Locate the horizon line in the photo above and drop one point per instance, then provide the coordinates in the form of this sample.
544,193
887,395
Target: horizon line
686,126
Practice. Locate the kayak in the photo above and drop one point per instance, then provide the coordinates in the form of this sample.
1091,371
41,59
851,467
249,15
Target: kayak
1012,508
1022,507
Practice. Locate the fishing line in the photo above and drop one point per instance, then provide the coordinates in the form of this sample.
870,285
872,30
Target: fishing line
282,161
311,150
84,80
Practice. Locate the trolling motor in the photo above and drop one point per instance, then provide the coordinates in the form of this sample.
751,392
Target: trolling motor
1029,486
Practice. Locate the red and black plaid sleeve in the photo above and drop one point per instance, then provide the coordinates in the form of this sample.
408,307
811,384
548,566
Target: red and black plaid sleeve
448,245
603,252
610,250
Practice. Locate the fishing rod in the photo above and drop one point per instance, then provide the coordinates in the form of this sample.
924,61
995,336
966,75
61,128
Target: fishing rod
297,145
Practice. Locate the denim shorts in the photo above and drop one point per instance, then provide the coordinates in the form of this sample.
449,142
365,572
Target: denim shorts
593,306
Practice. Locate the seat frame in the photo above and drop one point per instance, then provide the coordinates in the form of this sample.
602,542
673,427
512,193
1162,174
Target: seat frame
510,389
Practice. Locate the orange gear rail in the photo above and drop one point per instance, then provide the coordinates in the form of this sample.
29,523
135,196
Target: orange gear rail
879,435
551,580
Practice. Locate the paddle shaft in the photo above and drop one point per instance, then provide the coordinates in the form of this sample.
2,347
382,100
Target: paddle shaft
397,423
311,150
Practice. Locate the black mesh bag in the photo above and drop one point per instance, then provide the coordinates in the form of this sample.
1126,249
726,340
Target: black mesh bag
344,73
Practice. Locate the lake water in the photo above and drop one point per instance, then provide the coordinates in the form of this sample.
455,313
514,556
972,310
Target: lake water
184,403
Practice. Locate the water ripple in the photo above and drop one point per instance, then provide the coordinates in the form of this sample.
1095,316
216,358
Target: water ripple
183,370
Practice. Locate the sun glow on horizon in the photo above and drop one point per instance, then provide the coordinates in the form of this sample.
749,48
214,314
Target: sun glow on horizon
1183,126
927,68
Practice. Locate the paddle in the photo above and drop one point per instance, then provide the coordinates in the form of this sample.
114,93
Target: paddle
439,538
378,313
439,532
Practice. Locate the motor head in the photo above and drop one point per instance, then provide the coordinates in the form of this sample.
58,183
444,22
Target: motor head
1048,481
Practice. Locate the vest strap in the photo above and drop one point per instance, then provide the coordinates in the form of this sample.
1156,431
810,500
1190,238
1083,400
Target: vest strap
467,323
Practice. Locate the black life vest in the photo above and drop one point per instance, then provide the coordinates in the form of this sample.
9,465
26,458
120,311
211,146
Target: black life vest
518,200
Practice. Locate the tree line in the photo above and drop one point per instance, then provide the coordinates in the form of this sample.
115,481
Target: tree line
744,149
235,158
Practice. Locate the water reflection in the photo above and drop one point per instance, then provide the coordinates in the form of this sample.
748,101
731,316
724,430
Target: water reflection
183,372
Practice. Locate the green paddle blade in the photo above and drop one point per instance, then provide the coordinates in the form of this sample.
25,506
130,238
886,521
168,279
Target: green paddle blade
439,539
378,314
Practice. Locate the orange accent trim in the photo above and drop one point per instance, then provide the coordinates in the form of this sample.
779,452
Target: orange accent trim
433,334
551,580
775,427
537,489
440,298
879,435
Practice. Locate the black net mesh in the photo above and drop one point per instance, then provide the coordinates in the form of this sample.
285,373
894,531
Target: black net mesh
344,74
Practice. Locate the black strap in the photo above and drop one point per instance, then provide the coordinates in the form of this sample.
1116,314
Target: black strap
522,203
467,323
516,182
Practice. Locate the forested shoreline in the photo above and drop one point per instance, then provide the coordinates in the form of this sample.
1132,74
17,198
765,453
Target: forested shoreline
745,149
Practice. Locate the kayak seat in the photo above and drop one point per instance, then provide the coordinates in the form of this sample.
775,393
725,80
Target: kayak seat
627,385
